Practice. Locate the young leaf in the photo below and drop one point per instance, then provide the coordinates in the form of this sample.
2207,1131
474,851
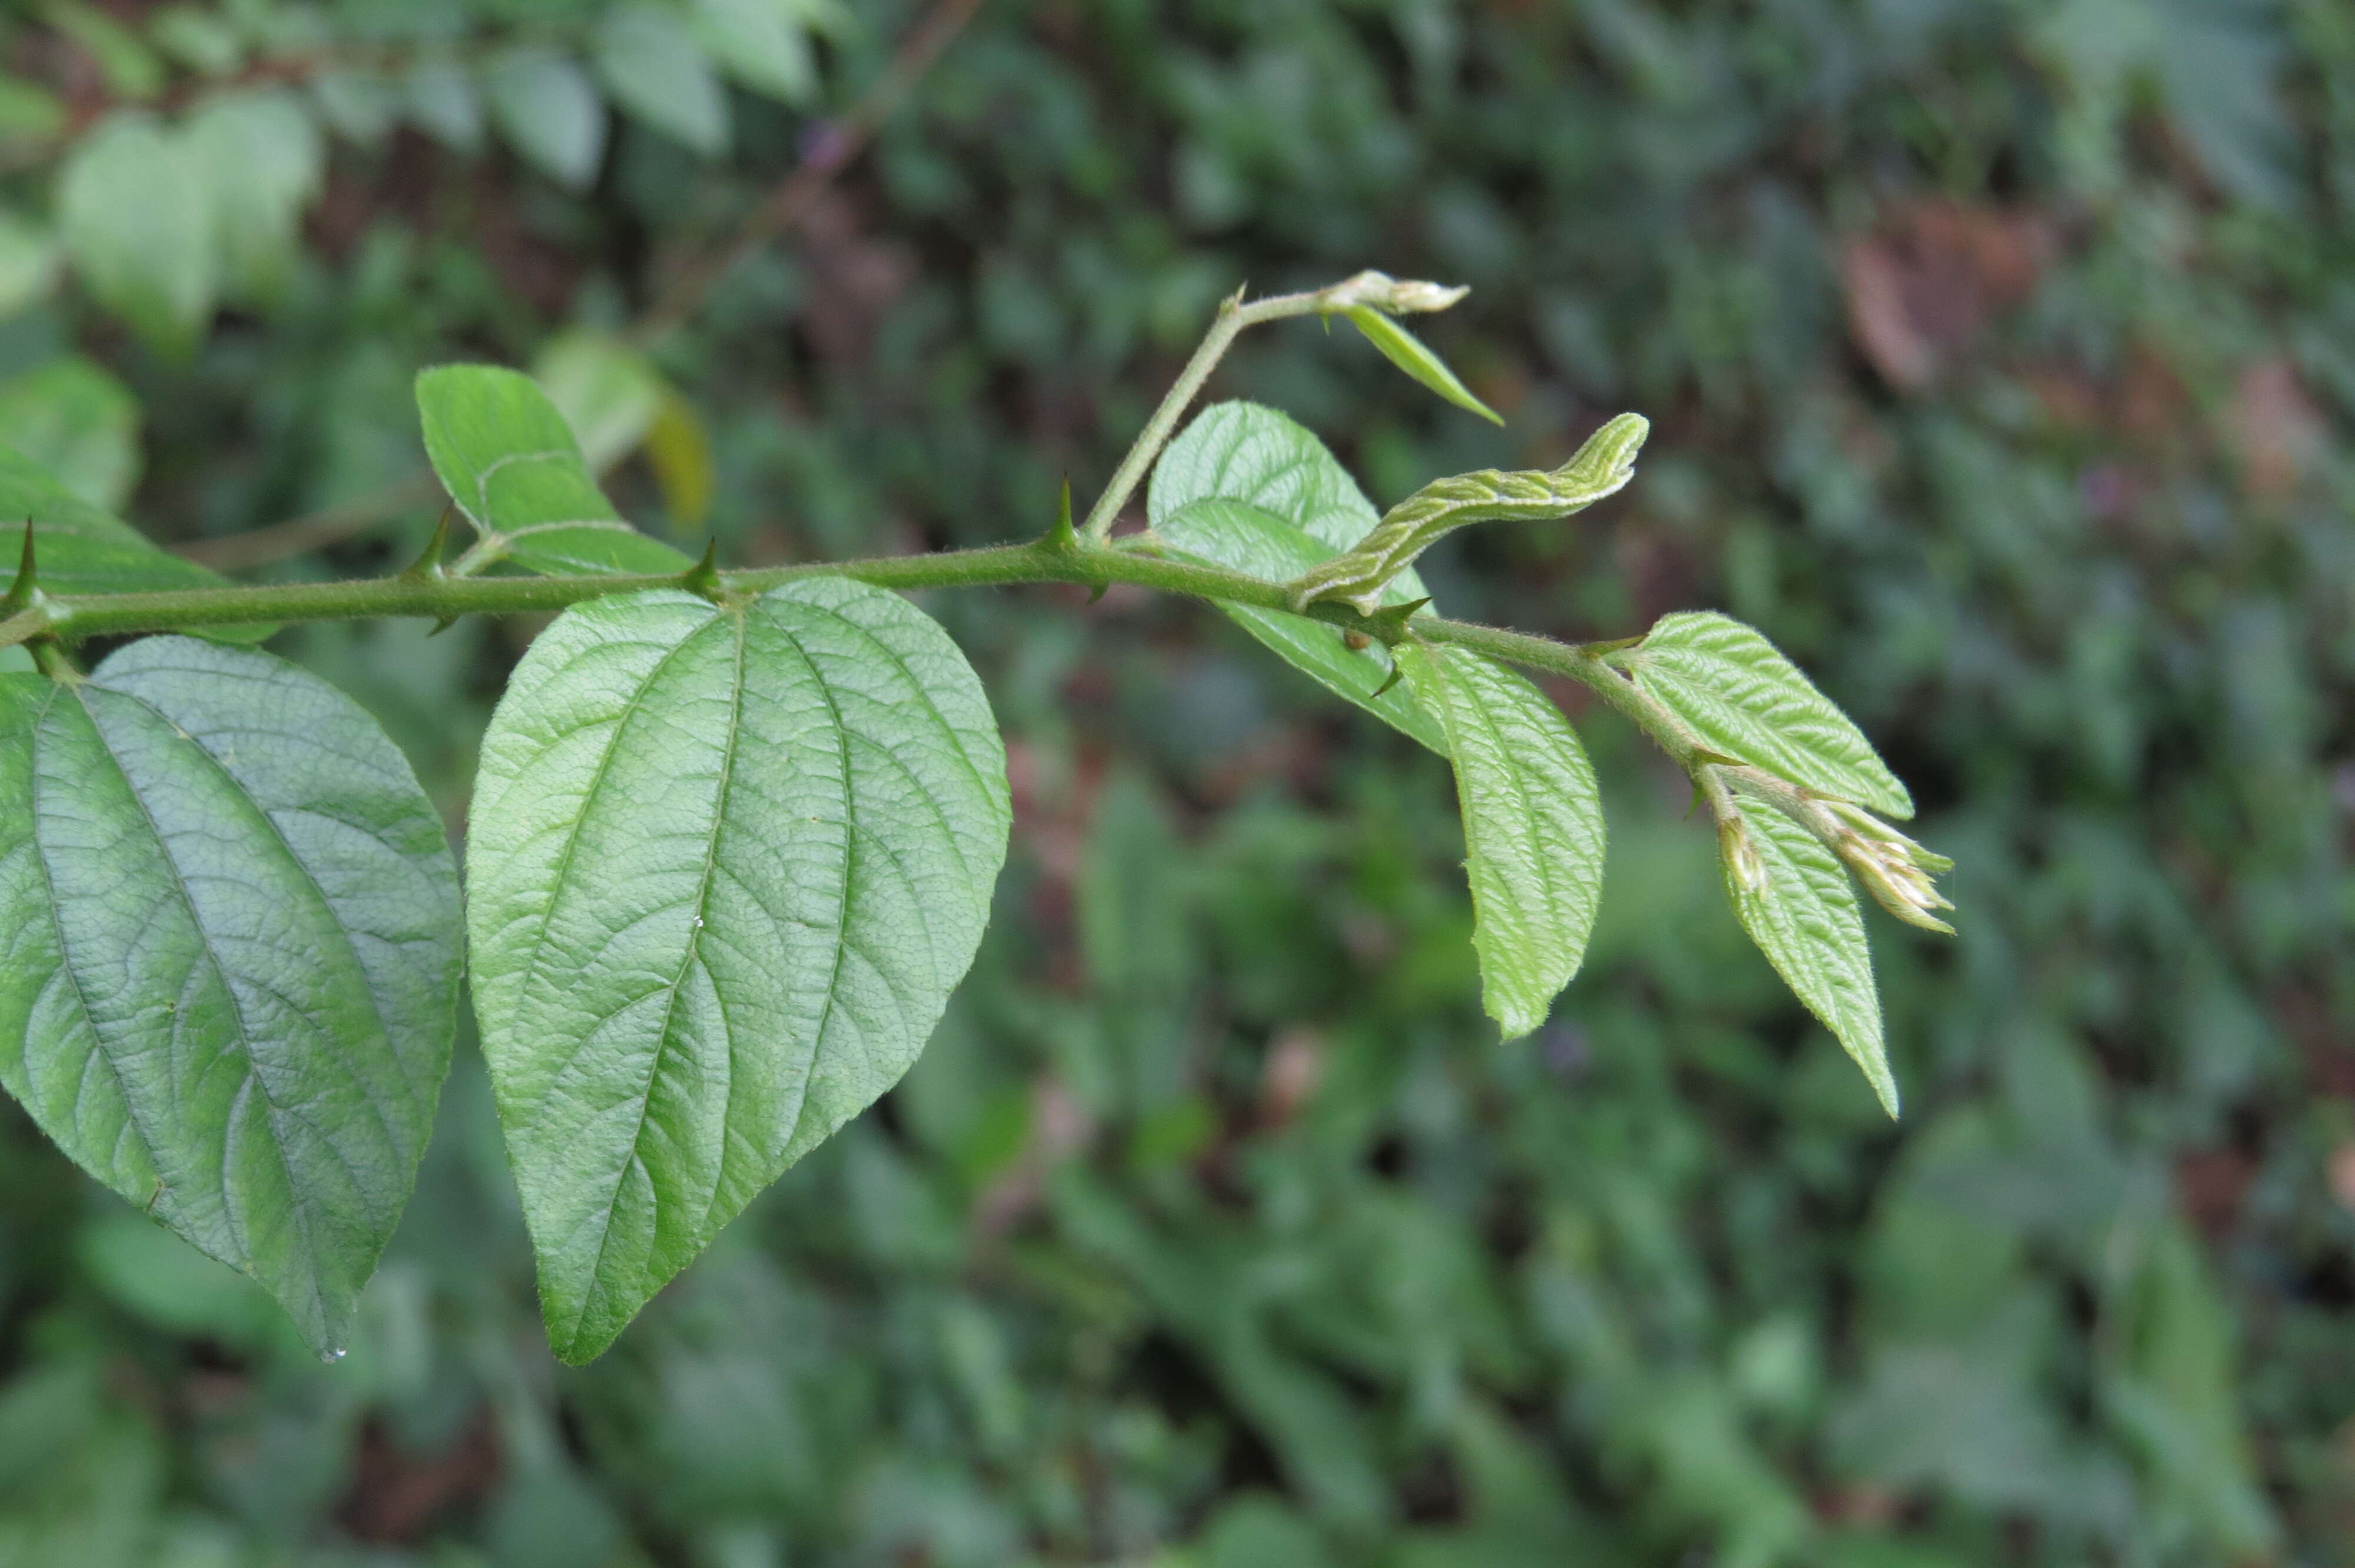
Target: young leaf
1406,351
1798,906
1533,827
228,956
511,464
1602,466
134,204
78,548
650,62
76,421
547,108
725,867
1745,700
1248,489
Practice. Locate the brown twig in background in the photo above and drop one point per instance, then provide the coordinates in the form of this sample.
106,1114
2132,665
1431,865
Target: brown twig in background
831,151
300,535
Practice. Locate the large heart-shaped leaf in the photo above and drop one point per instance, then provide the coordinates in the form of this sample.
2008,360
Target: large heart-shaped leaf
1745,700
1248,489
513,466
228,956
1533,827
725,867
1799,907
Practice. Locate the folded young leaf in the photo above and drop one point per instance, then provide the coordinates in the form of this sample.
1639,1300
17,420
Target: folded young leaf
724,868
228,956
1533,827
511,462
1602,466
1745,700
1410,353
1248,489
1799,907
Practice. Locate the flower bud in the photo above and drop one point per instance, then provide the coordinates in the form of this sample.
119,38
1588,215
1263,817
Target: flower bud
1895,870
1742,861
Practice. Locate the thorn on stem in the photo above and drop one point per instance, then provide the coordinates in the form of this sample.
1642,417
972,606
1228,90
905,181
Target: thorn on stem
1062,537
703,578
427,564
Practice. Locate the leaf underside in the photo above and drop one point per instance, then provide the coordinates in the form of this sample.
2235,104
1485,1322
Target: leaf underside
1806,921
1249,490
1745,700
1533,827
511,464
725,867
228,956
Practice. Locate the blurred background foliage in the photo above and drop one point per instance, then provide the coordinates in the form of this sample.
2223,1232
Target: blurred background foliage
2001,362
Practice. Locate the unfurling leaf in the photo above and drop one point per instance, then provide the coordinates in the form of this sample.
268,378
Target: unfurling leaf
1601,467
1745,700
1408,351
1533,827
1798,906
511,464
725,867
228,956
1248,489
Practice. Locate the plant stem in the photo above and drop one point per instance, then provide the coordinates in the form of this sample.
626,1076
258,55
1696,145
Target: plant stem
1233,317
72,618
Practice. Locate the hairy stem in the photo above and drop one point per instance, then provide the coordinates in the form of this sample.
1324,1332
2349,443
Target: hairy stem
1233,317
72,618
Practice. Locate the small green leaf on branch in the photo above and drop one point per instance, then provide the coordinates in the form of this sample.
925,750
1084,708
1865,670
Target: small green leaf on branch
1408,351
1797,905
1533,827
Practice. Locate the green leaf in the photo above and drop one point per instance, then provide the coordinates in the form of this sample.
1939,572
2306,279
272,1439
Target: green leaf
439,99
1406,351
604,387
266,161
228,956
130,69
725,867
135,204
1602,466
511,464
548,111
79,549
74,419
650,62
28,264
761,44
1799,907
1248,489
1736,691
1533,827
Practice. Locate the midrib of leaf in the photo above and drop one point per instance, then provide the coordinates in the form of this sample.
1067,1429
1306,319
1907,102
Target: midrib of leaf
508,459
590,1296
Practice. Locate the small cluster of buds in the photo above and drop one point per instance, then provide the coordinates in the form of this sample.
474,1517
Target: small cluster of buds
1394,296
1892,867
1741,854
